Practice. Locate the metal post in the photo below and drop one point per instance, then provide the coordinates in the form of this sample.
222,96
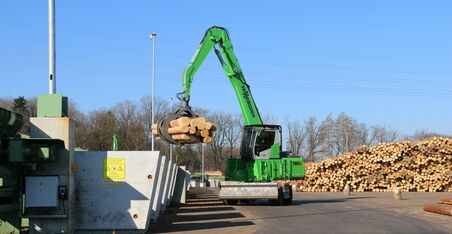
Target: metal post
171,145
202,163
52,52
153,37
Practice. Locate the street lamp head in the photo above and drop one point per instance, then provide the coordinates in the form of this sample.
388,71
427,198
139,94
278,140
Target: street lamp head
153,36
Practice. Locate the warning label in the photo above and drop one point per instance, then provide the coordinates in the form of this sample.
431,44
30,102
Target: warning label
114,171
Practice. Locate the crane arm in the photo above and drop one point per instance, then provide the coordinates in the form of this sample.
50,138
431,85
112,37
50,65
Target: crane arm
219,36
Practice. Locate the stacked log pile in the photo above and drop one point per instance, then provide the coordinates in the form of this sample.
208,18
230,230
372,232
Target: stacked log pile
422,166
189,131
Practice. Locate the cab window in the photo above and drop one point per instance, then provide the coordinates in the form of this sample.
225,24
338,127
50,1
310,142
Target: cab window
264,141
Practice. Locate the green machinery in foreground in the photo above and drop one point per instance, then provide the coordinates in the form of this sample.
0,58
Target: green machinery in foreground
262,159
20,157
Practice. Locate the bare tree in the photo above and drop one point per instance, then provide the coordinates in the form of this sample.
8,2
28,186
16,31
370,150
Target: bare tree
102,125
269,118
297,136
314,138
217,147
342,135
129,129
81,124
421,134
32,106
233,131
133,123
329,136
6,103
381,134
162,108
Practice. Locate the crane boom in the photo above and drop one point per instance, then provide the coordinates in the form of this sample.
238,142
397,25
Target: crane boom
219,36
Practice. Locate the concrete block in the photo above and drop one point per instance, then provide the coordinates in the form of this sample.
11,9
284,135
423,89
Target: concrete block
167,186
188,179
180,187
173,182
161,187
156,191
114,189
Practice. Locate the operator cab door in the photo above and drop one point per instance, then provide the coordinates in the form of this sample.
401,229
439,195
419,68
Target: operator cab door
258,140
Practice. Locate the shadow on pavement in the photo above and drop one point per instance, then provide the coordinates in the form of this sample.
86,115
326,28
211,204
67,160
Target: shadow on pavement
187,218
202,204
202,211
209,225
294,202
300,202
331,212
204,200
205,209
351,198
307,201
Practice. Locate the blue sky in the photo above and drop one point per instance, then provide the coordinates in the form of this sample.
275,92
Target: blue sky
381,62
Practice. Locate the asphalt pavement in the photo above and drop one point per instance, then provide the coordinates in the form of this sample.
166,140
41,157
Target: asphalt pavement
309,213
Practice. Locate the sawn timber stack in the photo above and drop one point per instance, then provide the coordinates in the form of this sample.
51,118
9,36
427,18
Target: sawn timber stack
443,206
189,131
422,166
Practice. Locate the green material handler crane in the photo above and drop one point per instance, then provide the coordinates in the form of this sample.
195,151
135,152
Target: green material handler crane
262,159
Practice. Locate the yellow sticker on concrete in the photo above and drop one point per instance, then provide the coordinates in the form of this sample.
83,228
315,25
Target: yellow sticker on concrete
114,171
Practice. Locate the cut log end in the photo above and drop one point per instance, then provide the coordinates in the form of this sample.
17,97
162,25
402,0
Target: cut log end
188,131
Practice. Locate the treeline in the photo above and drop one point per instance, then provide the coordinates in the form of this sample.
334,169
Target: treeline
131,122
335,136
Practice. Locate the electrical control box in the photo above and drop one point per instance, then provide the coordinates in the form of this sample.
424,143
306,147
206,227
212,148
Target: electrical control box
41,191
52,105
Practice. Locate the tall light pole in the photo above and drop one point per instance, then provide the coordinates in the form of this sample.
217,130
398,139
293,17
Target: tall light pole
52,52
171,145
153,37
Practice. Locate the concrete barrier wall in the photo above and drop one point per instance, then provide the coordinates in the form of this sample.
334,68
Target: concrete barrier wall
173,182
161,187
166,187
181,185
129,204
114,189
188,179
153,215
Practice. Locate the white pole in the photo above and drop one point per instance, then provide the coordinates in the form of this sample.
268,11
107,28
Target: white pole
202,162
52,52
171,145
153,37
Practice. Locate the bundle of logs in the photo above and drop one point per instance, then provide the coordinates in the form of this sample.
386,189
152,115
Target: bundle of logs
422,166
189,131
